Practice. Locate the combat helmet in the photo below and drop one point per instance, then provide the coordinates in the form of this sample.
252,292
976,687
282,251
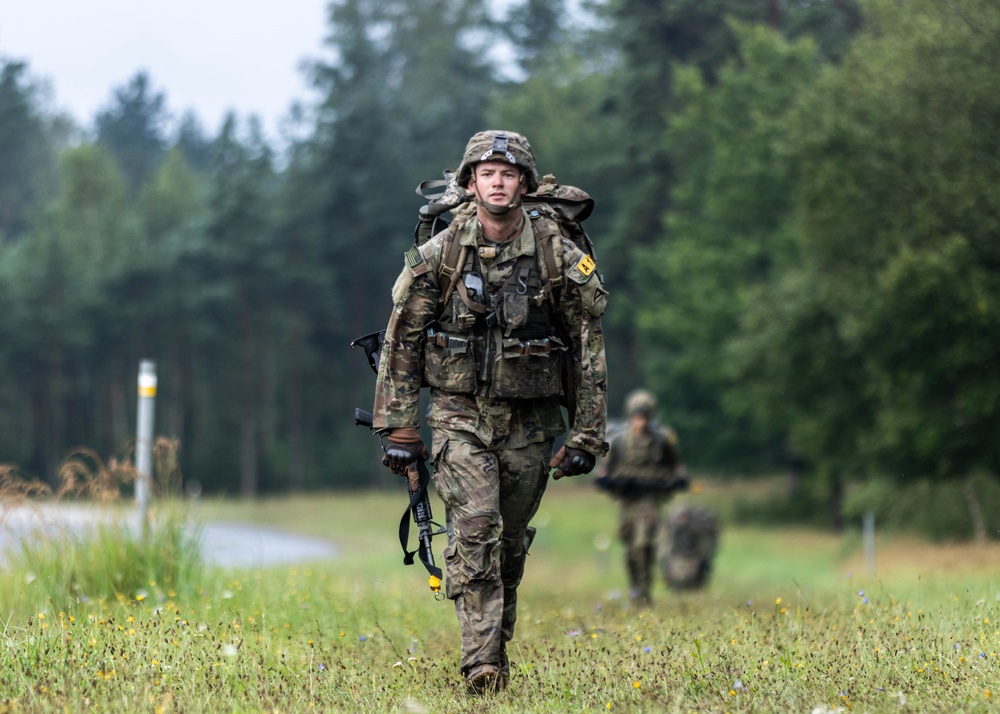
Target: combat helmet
640,401
496,145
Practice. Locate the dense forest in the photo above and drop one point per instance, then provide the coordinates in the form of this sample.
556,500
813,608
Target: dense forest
798,220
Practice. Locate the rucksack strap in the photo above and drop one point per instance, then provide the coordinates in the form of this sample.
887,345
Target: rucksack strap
452,257
546,229
546,233
432,189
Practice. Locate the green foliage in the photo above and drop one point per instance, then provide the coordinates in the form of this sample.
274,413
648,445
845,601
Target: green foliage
27,151
832,25
732,190
933,339
806,503
650,41
193,143
132,126
573,83
796,219
929,508
171,201
669,51
789,337
58,304
535,27
895,201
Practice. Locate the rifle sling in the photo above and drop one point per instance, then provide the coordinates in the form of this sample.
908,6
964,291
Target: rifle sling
404,526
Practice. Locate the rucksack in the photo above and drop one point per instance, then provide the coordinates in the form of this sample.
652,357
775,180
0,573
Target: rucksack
567,206
689,538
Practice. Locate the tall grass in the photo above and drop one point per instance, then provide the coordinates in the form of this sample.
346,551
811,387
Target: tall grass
85,542
107,560
792,621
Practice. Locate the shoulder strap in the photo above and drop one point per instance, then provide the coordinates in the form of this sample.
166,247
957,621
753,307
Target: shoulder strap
546,233
453,256
545,225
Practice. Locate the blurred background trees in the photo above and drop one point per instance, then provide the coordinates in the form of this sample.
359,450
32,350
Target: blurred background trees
798,206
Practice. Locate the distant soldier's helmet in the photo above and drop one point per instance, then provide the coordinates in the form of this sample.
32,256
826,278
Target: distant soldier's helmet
640,402
494,145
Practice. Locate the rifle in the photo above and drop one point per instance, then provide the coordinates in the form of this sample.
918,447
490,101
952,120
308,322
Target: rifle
632,487
417,479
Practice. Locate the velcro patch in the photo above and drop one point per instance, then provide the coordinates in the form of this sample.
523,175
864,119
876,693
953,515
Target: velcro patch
586,265
415,261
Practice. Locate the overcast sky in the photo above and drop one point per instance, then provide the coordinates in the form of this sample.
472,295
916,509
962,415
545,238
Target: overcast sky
208,56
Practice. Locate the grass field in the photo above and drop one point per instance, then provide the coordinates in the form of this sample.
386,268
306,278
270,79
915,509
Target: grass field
793,621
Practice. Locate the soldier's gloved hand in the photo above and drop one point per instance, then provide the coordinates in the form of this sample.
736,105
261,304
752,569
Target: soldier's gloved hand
402,449
572,462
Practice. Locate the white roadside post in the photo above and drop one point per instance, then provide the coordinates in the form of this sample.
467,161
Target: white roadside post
869,538
144,439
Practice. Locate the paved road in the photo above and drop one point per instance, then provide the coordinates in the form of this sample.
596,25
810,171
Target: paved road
226,544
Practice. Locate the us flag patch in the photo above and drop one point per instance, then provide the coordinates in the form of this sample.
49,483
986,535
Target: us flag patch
413,257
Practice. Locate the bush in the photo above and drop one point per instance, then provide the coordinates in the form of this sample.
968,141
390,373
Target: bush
807,503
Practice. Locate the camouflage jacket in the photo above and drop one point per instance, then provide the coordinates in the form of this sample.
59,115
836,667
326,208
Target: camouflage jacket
498,423
652,455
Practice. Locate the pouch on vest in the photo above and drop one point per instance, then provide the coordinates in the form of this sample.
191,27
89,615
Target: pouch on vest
528,369
449,362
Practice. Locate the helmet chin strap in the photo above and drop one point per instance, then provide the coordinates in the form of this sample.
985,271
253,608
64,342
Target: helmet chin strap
498,211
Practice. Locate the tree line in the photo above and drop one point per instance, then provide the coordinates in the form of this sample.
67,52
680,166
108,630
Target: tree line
797,212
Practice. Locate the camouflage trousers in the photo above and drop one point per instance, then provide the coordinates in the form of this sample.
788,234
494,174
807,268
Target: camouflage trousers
638,525
489,498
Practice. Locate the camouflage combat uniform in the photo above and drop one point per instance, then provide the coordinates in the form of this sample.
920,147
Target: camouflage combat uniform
490,447
651,455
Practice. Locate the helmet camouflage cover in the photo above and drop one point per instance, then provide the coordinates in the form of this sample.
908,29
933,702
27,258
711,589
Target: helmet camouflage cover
495,145
640,402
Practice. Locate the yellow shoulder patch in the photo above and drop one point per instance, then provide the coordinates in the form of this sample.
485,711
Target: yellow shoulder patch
586,265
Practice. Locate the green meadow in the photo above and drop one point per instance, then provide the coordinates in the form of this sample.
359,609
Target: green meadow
793,620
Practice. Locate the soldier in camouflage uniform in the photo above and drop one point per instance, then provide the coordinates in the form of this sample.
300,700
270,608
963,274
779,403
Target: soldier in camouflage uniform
491,340
642,468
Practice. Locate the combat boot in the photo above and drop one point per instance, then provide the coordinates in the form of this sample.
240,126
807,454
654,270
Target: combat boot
485,679
641,600
504,662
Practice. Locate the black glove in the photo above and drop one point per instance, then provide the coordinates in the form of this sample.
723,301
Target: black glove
404,448
572,462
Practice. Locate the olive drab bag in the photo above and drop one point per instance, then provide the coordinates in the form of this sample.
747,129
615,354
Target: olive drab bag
688,540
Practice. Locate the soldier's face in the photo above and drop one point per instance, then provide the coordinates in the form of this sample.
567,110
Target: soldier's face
639,422
497,182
